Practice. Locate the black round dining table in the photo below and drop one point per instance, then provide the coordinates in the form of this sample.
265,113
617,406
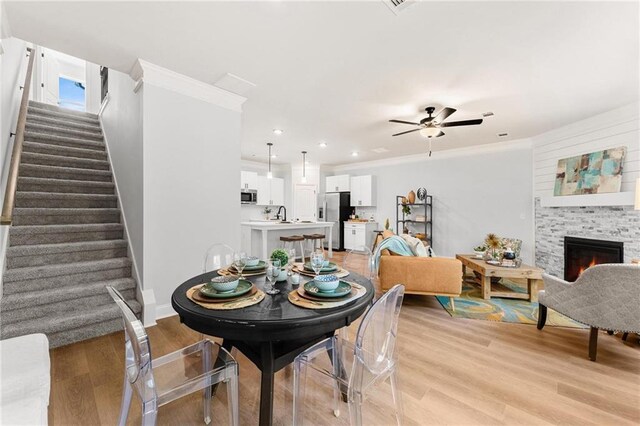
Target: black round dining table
271,333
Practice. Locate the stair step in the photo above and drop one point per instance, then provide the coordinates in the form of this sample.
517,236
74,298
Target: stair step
62,110
65,151
69,173
53,200
69,327
63,122
37,184
52,276
52,254
65,161
35,127
54,234
72,142
46,113
24,306
67,216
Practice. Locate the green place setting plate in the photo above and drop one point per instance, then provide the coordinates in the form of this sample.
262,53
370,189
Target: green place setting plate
342,290
332,267
261,265
244,286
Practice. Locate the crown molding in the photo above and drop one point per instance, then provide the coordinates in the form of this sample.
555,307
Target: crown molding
146,72
518,144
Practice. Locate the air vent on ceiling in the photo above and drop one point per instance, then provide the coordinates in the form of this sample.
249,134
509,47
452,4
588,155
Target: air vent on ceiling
501,135
397,6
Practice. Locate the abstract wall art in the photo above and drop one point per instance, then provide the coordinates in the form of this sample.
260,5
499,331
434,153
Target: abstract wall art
594,173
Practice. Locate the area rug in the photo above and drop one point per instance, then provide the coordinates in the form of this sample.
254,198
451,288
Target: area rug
470,304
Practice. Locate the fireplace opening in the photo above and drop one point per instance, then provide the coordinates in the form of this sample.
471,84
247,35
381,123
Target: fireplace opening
582,253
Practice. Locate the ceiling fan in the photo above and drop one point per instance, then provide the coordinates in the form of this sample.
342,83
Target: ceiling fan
430,127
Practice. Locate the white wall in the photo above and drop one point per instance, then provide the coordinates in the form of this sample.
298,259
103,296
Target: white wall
191,186
122,126
13,66
476,191
611,129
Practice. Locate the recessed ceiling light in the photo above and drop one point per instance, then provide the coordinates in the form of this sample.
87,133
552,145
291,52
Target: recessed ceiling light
322,144
277,132
354,154
487,114
501,135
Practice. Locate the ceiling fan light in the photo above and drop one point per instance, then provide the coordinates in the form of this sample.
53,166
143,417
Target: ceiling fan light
429,132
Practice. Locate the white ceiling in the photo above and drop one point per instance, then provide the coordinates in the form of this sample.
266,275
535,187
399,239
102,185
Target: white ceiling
338,71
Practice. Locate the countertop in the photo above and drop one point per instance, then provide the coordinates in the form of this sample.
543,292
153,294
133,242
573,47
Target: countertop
273,225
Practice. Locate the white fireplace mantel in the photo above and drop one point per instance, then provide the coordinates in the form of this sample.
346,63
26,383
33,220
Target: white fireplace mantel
588,200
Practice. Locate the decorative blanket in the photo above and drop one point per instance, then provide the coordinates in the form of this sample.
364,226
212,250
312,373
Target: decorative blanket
395,244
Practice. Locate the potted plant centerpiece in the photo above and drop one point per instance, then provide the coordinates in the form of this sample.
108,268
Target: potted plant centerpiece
266,212
283,257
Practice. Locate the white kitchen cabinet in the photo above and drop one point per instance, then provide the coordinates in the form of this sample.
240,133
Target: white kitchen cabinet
248,180
270,191
358,234
363,191
339,183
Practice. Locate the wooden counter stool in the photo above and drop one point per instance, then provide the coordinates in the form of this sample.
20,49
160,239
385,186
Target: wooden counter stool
378,233
315,241
289,242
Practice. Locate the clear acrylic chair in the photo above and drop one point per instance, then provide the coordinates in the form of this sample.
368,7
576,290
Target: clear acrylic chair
354,368
167,378
217,256
360,261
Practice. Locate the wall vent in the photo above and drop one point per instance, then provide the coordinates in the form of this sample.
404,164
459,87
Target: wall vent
397,6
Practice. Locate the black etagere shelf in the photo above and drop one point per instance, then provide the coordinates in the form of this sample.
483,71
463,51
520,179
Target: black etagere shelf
414,226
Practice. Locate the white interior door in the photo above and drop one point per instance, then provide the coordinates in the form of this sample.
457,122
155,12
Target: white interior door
50,78
305,202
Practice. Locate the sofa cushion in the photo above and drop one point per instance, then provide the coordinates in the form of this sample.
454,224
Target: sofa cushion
416,245
25,368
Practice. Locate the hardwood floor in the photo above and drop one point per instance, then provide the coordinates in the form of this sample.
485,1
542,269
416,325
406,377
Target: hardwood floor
452,372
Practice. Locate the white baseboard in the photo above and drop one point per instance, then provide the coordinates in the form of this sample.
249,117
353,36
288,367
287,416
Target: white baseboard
164,311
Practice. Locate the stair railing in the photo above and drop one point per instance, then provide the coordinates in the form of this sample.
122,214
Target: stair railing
16,153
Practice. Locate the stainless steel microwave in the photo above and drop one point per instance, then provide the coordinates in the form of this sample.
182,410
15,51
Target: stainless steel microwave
248,196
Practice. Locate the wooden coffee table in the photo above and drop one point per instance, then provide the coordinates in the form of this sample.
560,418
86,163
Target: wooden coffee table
532,274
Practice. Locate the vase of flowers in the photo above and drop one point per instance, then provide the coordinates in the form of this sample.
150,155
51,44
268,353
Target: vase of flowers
266,212
283,257
493,245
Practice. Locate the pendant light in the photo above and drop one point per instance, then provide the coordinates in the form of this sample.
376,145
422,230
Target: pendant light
269,174
304,167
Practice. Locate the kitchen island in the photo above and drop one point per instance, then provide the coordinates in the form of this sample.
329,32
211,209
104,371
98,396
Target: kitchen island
259,238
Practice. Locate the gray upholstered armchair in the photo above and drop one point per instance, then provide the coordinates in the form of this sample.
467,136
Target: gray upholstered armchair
604,297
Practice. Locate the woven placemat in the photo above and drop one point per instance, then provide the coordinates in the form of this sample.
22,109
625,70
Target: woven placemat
227,271
242,302
299,268
295,298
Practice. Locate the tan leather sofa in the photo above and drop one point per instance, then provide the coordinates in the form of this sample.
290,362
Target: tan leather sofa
435,276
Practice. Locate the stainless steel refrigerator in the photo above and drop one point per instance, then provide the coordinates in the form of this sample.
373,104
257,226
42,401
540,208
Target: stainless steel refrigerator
335,207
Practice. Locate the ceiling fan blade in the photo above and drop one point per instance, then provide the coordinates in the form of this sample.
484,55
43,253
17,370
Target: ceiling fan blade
461,123
403,122
442,115
439,134
408,131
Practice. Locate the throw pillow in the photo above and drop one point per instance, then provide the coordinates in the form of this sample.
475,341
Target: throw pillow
416,245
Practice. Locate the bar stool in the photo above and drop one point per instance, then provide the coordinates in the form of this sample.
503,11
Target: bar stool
375,239
314,241
289,242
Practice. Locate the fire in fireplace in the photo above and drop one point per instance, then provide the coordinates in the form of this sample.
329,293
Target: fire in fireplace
582,253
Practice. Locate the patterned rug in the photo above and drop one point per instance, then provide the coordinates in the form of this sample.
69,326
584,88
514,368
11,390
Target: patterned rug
470,304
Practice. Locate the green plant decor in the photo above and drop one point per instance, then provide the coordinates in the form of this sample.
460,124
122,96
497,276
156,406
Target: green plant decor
406,209
281,255
480,248
386,224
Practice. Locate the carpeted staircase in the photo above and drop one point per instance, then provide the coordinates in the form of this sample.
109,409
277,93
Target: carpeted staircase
66,242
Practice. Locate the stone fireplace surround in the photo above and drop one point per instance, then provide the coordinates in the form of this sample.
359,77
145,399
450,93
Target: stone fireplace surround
616,223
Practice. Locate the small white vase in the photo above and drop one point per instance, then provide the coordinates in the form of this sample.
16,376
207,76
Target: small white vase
282,276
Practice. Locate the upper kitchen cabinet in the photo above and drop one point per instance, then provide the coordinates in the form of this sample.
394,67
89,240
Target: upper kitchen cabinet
270,191
248,180
339,183
363,191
